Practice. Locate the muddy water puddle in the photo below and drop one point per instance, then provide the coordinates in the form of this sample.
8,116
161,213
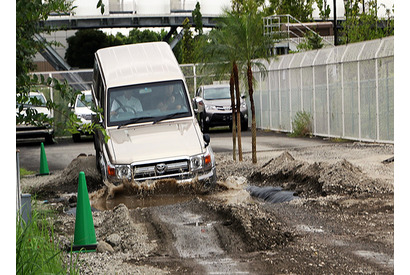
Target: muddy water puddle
232,191
134,201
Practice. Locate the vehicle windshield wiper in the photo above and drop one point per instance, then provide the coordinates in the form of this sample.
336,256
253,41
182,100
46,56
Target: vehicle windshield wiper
161,118
134,120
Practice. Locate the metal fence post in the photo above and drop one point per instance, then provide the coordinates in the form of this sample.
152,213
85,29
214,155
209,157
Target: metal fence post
18,191
376,59
358,91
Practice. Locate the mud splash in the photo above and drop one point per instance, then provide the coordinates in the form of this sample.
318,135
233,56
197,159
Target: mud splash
146,194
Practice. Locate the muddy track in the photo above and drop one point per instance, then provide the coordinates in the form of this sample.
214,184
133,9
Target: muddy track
342,221
192,239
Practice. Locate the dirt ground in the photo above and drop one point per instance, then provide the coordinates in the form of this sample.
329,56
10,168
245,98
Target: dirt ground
337,218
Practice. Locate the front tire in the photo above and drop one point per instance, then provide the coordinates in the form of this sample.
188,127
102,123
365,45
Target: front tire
204,125
77,137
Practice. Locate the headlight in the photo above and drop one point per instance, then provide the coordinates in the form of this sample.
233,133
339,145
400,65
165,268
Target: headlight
123,171
202,161
196,162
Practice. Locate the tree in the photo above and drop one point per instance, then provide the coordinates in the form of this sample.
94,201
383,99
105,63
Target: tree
138,36
312,41
29,13
222,55
83,45
251,44
324,9
187,43
197,18
362,26
300,9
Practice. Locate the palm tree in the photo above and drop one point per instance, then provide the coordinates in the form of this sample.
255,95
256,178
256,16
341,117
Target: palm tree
222,56
251,44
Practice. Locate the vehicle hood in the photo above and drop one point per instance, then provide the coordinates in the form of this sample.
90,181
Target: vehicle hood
219,102
154,141
83,110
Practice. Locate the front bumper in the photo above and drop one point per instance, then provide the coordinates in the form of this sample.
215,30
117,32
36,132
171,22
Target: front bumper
28,131
223,118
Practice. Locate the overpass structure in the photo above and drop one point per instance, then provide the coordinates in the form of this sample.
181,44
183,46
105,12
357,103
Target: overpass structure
168,14
172,20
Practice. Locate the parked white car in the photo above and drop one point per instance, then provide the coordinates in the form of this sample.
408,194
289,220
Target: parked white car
82,109
44,130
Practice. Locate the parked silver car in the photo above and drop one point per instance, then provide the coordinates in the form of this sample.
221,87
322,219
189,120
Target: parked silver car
42,130
213,105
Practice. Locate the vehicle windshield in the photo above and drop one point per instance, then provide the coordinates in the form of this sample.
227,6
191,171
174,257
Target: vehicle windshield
88,100
217,93
147,102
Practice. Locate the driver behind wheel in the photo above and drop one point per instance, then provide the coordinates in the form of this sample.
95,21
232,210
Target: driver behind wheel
126,102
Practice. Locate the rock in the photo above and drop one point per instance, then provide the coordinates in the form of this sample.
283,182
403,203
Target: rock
104,247
114,239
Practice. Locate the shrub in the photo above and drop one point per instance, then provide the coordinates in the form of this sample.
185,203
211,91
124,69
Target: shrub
301,124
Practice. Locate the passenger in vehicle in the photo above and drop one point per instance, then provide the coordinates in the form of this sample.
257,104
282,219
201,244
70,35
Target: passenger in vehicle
172,99
126,102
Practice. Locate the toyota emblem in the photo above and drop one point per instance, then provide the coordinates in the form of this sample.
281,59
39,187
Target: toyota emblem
160,168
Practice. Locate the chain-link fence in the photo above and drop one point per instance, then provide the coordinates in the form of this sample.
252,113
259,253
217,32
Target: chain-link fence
347,90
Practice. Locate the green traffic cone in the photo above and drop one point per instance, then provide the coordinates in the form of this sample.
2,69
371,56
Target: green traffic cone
84,233
43,162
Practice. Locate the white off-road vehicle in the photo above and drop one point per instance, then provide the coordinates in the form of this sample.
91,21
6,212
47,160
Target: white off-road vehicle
147,114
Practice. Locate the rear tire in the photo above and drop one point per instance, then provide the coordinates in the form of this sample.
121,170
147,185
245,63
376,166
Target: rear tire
244,126
49,139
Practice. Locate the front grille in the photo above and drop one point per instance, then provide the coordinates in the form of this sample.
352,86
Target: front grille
224,108
168,169
222,117
87,117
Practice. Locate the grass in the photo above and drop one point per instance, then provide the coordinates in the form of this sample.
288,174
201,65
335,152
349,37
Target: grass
25,172
37,251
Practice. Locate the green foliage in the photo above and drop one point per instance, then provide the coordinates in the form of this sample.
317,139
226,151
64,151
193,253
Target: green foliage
300,9
37,250
25,172
361,26
324,9
187,43
28,15
83,45
138,36
301,124
197,18
313,41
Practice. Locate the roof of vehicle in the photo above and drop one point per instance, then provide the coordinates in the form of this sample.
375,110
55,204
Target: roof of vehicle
138,63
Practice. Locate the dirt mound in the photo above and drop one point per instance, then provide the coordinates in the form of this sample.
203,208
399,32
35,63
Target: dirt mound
260,229
317,179
67,182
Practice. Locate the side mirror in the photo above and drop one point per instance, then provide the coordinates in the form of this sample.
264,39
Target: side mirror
207,139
